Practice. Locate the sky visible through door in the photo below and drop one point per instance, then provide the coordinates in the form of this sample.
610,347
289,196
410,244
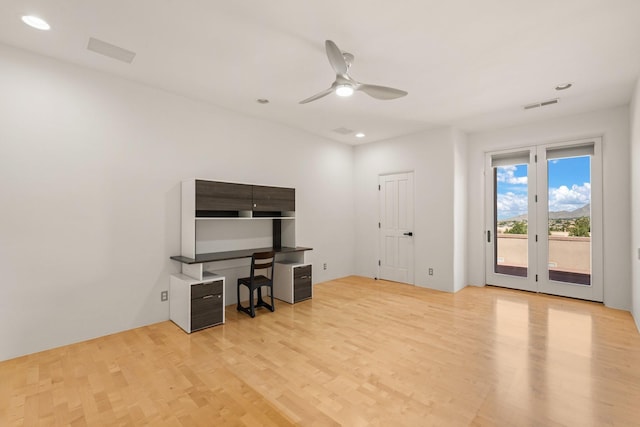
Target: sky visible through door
569,187
568,214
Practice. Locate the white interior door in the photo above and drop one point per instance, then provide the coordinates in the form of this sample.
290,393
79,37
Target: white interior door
396,227
544,219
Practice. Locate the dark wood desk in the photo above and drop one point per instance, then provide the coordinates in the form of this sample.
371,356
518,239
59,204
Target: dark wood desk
243,253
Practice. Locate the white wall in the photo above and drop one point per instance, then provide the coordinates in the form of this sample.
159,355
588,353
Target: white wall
90,172
431,156
635,200
613,125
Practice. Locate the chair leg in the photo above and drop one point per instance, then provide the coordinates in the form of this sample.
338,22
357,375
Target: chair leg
252,306
249,310
273,307
262,302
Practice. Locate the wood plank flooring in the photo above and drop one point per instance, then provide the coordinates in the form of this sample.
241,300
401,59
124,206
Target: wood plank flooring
361,353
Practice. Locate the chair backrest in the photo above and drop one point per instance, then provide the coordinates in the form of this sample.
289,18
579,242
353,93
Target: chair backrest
263,261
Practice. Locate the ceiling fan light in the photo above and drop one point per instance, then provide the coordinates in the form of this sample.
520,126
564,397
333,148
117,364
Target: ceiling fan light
344,90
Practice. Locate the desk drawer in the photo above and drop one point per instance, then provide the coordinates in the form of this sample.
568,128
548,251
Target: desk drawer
203,289
301,290
302,272
206,311
302,283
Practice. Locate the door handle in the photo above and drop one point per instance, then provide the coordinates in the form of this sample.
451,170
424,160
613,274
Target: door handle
408,233
488,236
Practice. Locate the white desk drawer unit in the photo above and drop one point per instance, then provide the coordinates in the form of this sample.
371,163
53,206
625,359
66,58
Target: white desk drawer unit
196,304
292,282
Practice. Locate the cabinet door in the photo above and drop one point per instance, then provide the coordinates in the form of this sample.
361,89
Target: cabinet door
273,199
206,312
301,283
206,304
212,196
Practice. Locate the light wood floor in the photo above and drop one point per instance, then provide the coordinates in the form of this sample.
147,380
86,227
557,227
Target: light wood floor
362,352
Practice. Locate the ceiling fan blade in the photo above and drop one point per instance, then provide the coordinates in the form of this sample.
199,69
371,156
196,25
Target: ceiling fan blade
381,92
335,57
317,95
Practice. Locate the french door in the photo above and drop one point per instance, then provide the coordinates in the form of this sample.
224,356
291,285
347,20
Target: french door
544,219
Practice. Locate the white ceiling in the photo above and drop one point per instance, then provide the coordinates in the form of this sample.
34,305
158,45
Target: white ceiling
467,63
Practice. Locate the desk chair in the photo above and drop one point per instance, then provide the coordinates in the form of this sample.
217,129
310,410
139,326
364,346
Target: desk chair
259,261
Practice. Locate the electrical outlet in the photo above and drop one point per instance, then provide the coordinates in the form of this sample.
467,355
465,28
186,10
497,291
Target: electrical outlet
430,271
164,295
324,266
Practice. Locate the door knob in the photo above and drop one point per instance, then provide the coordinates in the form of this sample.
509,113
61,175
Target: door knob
408,233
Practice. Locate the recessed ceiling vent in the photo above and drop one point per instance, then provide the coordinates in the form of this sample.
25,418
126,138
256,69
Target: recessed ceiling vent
343,131
542,104
110,50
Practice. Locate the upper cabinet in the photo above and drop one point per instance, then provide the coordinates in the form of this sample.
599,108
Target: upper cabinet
214,199
222,199
273,201
205,203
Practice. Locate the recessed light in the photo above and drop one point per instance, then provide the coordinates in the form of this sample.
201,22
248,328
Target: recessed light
262,101
35,22
360,135
344,90
564,86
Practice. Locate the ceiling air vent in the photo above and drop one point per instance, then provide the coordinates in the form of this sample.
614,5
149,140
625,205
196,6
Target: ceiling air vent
542,104
110,50
343,131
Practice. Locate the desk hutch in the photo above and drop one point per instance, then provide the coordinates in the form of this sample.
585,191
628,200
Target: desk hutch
223,224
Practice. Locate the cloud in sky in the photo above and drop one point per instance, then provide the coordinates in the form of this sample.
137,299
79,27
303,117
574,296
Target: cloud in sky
507,175
511,204
564,198
512,192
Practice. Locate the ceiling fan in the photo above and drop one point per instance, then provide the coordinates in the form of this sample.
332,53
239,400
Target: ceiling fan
345,85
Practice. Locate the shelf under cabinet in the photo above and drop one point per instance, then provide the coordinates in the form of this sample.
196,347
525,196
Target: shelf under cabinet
242,218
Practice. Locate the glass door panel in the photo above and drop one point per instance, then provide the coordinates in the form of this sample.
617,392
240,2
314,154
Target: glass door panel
511,253
511,219
569,214
570,252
